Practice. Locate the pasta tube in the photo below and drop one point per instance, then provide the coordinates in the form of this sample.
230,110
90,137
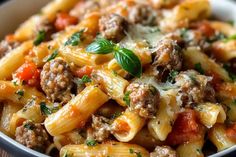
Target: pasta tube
14,60
114,149
112,84
161,125
210,113
76,112
193,56
218,137
126,126
193,148
8,110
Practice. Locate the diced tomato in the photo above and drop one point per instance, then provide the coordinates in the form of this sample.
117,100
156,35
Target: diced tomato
186,128
28,72
206,29
63,20
231,132
86,70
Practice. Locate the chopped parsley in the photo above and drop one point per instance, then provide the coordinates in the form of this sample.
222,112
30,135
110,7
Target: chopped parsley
44,109
126,98
40,37
85,79
20,93
232,37
52,56
184,34
29,126
172,75
15,83
91,142
199,68
75,39
138,154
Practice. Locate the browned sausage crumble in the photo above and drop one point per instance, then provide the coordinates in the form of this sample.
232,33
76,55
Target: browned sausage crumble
144,99
32,135
56,80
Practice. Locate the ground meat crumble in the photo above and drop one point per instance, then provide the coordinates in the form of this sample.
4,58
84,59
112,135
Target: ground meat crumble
32,135
144,99
56,80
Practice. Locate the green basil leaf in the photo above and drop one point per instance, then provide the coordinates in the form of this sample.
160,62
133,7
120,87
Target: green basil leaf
101,46
52,56
75,39
128,61
40,37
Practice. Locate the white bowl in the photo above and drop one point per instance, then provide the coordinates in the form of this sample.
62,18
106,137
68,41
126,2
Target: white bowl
15,12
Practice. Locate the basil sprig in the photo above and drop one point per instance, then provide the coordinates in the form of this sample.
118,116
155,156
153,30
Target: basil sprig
125,57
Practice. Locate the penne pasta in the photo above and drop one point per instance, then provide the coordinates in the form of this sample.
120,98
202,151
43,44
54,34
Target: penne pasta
224,51
217,136
76,112
193,56
14,60
127,125
145,139
223,27
112,84
210,113
28,29
115,149
80,57
194,148
72,137
19,94
161,125
8,110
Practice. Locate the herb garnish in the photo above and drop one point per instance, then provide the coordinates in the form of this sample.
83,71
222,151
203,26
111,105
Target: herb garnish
83,80
138,154
199,68
126,98
232,37
125,57
52,56
75,39
91,142
40,37
44,109
29,126
20,93
172,75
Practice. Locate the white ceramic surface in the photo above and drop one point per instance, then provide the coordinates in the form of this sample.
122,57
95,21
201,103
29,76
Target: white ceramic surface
16,11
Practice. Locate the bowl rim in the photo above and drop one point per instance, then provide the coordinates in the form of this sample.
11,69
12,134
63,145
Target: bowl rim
17,149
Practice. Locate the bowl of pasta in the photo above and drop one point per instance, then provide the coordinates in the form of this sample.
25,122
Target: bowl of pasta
122,78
